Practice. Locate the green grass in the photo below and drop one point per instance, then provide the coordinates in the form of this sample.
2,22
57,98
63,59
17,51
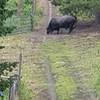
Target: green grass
70,55
6,95
58,53
32,76
66,56
32,81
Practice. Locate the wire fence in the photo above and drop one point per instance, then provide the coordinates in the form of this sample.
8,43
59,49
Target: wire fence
20,24
11,92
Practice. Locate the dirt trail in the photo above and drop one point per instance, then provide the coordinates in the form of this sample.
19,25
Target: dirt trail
50,79
40,29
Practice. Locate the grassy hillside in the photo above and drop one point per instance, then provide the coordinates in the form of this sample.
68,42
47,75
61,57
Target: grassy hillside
75,64
31,81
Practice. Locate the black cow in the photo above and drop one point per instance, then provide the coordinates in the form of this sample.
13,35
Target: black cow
66,21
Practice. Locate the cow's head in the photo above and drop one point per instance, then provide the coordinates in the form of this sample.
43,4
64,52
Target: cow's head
49,30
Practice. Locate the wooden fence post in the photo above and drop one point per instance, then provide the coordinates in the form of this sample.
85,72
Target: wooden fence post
20,63
33,9
31,19
14,93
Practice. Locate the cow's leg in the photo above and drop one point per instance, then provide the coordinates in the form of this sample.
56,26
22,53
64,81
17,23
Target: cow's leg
57,31
74,26
71,28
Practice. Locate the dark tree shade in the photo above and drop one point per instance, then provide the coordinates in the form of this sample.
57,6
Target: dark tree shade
4,14
78,7
5,68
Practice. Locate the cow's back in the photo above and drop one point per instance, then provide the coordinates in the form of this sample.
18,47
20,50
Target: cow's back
64,18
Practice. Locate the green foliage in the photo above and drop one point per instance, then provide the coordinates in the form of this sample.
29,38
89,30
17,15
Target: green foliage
6,94
78,7
58,54
19,24
5,68
4,14
27,7
73,55
12,5
26,93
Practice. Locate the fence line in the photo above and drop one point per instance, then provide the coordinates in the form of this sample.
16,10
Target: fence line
20,23
14,93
